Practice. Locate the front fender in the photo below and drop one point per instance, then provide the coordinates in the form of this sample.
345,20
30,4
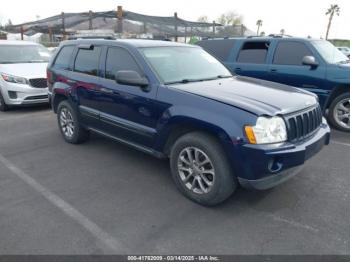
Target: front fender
228,128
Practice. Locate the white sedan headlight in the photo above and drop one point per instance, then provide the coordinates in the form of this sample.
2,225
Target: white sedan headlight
267,130
14,79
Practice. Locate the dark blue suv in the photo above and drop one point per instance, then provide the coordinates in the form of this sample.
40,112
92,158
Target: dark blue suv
313,65
177,101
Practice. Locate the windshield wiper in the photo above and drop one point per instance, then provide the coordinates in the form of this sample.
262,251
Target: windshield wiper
36,61
183,81
345,61
187,80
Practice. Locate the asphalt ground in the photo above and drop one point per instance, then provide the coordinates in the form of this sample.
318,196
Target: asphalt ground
102,197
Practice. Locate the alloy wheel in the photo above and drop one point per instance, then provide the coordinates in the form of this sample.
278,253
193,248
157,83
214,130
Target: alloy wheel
67,122
196,170
342,113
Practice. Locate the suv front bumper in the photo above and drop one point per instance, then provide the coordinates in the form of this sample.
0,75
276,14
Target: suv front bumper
266,166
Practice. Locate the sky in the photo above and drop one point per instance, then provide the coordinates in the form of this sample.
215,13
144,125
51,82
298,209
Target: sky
298,17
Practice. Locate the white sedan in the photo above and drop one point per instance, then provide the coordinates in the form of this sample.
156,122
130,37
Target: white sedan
22,73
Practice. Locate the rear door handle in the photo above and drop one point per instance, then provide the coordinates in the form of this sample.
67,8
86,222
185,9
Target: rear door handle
238,69
273,70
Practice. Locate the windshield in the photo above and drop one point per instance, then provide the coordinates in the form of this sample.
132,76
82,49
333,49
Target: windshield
184,64
14,54
329,52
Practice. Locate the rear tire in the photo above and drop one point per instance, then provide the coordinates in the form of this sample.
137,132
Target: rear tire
3,106
201,170
339,112
68,123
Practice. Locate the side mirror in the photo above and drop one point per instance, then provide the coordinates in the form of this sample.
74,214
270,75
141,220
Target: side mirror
310,61
131,78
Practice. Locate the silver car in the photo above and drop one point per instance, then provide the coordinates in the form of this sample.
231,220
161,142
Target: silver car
22,74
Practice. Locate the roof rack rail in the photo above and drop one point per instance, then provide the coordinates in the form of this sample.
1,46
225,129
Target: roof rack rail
253,36
279,35
92,37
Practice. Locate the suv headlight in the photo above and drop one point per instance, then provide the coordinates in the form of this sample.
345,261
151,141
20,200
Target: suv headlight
14,79
267,130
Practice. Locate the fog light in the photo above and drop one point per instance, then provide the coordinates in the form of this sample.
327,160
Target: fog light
12,94
275,165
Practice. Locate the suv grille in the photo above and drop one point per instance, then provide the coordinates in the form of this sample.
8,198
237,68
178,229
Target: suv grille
303,124
38,82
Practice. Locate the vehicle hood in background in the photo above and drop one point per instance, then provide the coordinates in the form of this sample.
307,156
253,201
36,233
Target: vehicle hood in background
27,70
257,96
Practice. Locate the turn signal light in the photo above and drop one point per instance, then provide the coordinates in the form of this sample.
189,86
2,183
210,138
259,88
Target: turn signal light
250,134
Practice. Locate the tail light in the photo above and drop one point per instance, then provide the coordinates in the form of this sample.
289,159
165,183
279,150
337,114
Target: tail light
49,78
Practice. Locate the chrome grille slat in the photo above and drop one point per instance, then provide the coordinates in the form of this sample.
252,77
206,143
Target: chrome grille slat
301,125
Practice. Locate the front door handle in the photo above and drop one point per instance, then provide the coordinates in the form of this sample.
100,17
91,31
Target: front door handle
238,69
106,91
273,70
71,82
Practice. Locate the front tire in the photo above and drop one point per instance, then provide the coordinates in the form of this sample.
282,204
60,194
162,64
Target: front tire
3,106
339,112
201,170
69,125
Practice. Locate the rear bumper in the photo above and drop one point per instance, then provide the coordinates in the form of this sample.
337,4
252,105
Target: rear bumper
267,166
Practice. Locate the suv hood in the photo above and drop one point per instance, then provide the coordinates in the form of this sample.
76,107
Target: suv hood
27,70
256,96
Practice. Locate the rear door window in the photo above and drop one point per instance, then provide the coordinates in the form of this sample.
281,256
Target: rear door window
219,48
253,52
87,61
64,57
290,53
119,59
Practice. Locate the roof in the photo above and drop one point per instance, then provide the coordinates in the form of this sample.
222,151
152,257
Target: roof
138,43
263,38
8,42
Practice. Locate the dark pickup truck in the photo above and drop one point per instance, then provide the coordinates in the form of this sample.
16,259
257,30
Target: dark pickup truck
177,101
311,64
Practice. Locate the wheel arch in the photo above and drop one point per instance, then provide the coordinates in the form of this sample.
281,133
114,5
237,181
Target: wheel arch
180,126
337,91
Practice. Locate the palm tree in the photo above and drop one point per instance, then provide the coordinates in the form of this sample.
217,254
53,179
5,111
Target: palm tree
283,32
333,10
259,24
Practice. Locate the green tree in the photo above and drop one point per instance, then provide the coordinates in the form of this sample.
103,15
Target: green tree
332,10
230,18
259,24
283,32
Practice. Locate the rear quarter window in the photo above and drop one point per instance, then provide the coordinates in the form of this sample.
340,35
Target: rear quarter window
64,57
219,48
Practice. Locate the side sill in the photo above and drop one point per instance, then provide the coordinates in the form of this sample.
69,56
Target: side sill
146,150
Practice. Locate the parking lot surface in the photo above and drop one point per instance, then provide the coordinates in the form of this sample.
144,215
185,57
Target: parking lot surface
102,197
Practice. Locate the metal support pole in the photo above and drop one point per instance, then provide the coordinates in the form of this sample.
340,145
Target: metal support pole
185,34
63,27
22,33
145,28
214,28
120,19
90,20
176,36
50,35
